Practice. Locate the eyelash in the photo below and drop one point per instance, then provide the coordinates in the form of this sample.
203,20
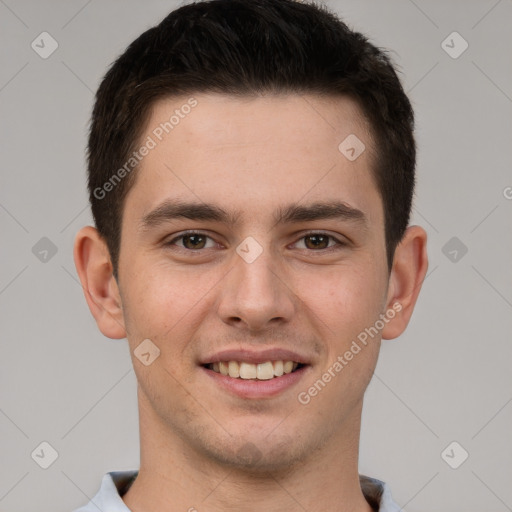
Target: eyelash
339,243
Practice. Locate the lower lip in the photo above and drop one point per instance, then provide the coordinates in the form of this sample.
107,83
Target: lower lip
250,388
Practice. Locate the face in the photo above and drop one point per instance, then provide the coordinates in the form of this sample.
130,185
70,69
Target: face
252,245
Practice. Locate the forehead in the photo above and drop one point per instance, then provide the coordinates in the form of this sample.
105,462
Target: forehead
255,153
217,119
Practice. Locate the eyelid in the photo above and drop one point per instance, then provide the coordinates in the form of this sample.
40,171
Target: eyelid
185,233
339,242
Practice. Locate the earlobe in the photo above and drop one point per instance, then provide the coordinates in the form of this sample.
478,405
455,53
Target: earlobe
92,261
410,265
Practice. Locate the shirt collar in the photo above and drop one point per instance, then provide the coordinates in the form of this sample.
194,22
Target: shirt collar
116,483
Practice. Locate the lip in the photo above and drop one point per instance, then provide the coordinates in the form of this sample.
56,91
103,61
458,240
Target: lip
256,389
255,356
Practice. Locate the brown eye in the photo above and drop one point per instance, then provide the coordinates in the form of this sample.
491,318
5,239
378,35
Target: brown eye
317,241
194,241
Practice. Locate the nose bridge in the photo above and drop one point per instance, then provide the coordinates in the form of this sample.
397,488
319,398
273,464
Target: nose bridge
257,276
254,292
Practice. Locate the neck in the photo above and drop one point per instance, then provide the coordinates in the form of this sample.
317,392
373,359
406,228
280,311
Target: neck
174,477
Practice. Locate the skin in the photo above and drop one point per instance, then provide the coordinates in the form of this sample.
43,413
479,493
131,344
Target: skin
252,156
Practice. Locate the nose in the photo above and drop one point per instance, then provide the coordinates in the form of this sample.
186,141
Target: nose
256,295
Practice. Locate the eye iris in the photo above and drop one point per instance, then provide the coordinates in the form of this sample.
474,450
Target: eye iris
197,241
318,241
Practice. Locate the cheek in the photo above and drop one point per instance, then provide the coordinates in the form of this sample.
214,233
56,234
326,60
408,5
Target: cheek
159,306
164,303
346,299
346,303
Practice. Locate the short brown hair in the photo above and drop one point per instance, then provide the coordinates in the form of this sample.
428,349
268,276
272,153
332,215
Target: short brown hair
240,47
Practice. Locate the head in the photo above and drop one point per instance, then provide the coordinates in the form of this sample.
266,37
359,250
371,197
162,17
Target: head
242,49
243,109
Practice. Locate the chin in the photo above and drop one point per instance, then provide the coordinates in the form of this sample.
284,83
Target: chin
260,454
251,459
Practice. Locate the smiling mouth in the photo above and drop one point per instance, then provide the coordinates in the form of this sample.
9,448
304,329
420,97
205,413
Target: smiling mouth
249,371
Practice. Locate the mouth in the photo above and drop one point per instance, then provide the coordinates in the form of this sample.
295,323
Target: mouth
245,370
250,374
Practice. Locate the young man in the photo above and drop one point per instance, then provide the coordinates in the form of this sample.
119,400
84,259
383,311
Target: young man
251,171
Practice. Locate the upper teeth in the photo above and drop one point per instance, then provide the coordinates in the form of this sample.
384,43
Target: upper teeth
261,371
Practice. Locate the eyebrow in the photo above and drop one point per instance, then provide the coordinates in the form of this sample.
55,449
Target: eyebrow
174,209
320,211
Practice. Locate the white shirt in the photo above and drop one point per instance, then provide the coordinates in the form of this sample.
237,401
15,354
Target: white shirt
116,483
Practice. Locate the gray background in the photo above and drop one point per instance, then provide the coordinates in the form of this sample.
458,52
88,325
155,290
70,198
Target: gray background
446,379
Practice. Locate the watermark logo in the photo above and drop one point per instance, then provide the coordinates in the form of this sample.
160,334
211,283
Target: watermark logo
180,113
305,397
151,142
249,249
454,250
146,352
249,453
454,455
44,45
44,250
352,147
44,455
454,45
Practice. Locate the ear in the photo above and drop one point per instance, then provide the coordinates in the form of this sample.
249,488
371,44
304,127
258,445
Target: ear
94,267
410,265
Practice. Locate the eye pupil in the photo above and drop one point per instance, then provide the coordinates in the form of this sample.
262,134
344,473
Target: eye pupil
197,241
318,241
